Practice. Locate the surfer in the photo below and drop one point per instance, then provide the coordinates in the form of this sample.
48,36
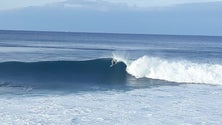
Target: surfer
114,62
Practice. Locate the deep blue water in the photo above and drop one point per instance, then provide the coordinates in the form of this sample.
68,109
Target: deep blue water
178,78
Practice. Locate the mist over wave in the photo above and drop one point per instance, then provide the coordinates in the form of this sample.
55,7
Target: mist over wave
181,71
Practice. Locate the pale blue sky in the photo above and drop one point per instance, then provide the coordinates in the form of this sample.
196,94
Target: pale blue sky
194,17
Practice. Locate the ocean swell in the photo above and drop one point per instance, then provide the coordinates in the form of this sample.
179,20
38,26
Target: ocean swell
51,74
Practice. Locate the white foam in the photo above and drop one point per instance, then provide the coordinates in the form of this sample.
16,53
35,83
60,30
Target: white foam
181,71
148,106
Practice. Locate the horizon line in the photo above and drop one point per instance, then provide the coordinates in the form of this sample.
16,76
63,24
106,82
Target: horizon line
116,33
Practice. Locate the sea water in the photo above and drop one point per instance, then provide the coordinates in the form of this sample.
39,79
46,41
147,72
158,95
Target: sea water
64,78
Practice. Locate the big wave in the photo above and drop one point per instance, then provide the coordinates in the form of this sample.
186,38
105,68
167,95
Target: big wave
77,74
51,74
181,71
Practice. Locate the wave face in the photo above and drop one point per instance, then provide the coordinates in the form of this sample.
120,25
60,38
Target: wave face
181,71
52,74
85,74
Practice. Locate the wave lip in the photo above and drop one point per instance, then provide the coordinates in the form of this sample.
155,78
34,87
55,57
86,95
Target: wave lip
180,71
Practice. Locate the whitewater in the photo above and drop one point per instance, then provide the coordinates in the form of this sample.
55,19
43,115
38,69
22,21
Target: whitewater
180,71
65,78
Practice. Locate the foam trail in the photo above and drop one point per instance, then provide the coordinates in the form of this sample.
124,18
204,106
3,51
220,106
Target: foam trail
175,71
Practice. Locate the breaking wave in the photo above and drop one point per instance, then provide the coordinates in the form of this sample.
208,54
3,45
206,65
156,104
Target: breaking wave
78,74
181,71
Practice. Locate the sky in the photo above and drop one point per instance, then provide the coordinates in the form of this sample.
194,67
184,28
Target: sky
177,17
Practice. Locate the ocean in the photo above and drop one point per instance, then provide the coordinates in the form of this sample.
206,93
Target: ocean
65,78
